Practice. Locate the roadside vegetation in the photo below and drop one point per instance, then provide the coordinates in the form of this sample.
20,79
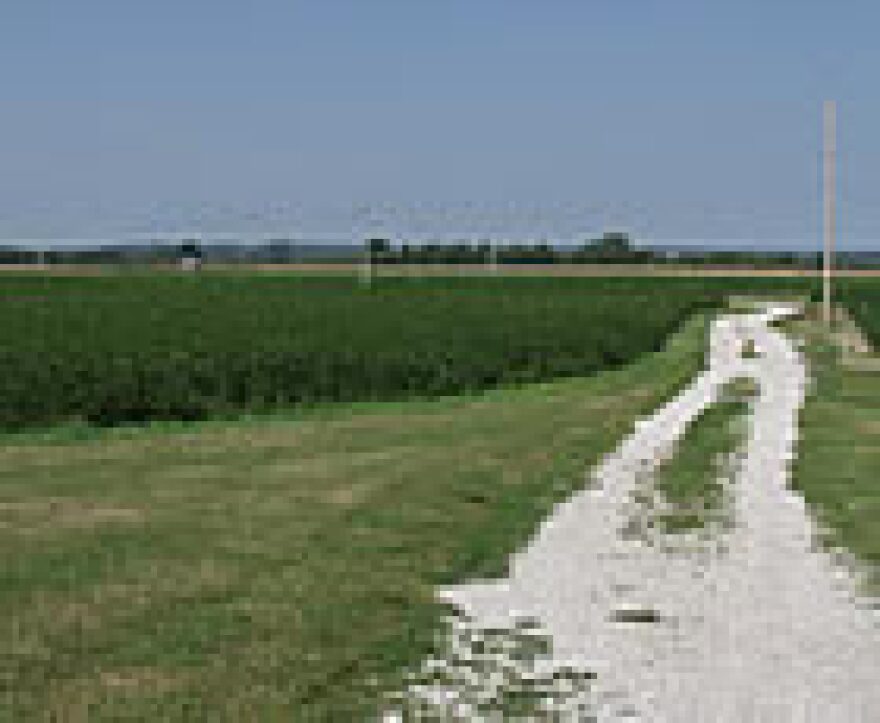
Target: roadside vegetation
688,491
839,449
281,569
862,299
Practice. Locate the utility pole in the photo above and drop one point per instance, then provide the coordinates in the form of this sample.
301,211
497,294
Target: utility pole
829,155
367,265
362,233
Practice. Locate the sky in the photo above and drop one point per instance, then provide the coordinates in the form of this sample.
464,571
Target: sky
680,121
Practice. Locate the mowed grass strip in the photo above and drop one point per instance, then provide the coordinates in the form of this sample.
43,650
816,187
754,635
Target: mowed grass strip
839,447
281,570
691,484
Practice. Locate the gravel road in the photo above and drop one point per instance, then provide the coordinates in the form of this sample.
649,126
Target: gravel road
761,625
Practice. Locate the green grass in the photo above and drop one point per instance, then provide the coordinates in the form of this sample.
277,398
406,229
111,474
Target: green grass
862,298
839,448
691,484
280,569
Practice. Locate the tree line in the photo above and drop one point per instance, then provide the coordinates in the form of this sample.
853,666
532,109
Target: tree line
611,248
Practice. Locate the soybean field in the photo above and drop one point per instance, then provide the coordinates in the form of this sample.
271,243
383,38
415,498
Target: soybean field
114,349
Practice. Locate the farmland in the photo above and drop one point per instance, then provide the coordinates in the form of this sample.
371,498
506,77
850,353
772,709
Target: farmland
281,560
114,349
117,348
281,569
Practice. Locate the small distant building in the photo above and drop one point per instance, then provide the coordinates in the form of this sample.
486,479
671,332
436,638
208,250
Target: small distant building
190,257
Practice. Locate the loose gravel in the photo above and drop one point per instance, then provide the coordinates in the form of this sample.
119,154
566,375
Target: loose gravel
766,626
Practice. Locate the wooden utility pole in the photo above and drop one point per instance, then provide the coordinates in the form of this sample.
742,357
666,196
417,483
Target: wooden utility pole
366,274
829,154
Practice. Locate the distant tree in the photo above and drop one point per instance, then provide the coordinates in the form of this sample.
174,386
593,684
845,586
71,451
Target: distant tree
191,248
378,246
614,244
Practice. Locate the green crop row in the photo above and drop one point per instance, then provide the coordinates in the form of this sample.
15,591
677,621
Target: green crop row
114,349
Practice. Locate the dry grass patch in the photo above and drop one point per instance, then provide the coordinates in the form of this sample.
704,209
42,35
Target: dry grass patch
64,512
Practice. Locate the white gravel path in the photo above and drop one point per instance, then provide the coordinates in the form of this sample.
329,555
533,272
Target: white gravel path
766,627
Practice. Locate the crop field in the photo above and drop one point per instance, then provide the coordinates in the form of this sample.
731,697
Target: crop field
130,349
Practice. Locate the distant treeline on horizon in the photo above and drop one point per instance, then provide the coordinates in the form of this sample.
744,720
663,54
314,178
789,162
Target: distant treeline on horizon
610,248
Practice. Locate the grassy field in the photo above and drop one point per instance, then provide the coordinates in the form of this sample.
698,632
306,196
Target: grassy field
839,449
280,570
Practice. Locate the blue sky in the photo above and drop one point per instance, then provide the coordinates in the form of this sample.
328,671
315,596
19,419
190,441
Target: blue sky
675,119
